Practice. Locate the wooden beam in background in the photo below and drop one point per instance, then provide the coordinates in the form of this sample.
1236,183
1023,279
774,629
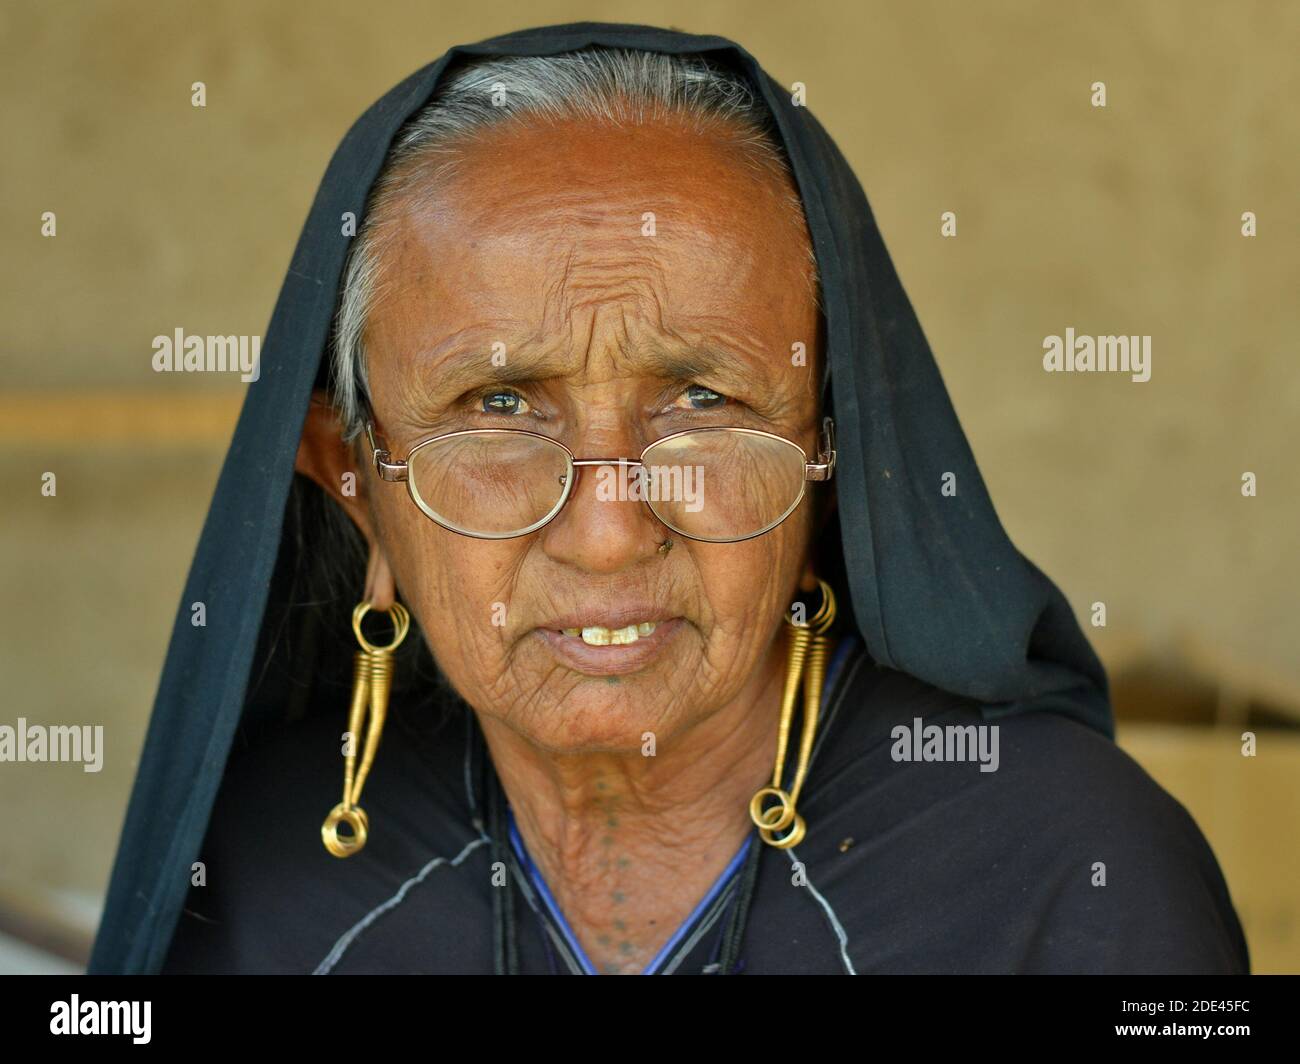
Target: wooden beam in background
74,418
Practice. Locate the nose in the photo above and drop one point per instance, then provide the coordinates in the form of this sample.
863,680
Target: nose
604,526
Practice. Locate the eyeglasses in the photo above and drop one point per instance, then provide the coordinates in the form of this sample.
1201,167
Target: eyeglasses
715,484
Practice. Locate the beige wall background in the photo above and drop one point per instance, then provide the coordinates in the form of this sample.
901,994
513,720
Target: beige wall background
1118,220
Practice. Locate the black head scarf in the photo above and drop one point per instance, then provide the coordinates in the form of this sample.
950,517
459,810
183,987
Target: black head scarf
936,588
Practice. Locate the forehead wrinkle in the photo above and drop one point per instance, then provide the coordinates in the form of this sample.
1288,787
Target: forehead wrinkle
464,359
603,271
633,279
622,281
715,344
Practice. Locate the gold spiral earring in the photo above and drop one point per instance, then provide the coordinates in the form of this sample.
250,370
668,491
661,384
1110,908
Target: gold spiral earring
809,647
372,674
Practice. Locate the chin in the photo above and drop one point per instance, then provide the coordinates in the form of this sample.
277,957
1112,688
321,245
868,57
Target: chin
599,717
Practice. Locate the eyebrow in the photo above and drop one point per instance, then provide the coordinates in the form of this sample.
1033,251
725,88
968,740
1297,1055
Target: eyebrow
702,360
458,375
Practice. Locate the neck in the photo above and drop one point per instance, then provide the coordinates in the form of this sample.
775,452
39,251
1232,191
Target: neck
629,844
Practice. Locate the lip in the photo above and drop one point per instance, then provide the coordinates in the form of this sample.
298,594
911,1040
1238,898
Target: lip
608,617
615,659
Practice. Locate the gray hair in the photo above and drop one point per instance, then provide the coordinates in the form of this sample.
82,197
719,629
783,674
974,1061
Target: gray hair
614,86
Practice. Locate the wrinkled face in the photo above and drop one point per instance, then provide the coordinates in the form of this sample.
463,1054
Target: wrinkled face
615,332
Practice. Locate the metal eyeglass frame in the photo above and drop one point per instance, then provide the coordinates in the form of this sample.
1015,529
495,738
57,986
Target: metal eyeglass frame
397,470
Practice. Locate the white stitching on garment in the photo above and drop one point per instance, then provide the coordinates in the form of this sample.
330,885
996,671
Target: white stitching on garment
469,790
350,936
548,924
836,926
706,924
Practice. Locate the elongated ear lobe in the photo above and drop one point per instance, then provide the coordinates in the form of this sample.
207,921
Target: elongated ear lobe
808,582
830,503
381,587
826,508
333,464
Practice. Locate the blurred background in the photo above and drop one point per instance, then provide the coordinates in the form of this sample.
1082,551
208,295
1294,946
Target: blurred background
1117,220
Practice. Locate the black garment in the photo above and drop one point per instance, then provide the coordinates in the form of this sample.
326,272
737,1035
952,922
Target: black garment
929,581
909,867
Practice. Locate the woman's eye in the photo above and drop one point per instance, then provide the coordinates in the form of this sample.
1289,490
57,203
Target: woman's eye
505,403
698,397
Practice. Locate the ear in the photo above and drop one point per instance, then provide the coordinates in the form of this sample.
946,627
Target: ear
331,463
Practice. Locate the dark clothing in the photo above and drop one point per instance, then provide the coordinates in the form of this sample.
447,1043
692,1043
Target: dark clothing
923,866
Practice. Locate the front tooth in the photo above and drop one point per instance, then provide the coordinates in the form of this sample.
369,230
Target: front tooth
597,636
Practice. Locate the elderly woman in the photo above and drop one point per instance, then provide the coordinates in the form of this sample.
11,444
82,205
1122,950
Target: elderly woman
637,586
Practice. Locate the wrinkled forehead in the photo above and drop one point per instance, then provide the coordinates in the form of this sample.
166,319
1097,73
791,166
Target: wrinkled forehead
599,249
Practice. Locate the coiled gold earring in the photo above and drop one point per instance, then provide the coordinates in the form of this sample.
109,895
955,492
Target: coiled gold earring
372,673
809,647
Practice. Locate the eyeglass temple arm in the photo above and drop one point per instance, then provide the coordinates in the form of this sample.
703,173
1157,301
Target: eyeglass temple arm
387,470
824,467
